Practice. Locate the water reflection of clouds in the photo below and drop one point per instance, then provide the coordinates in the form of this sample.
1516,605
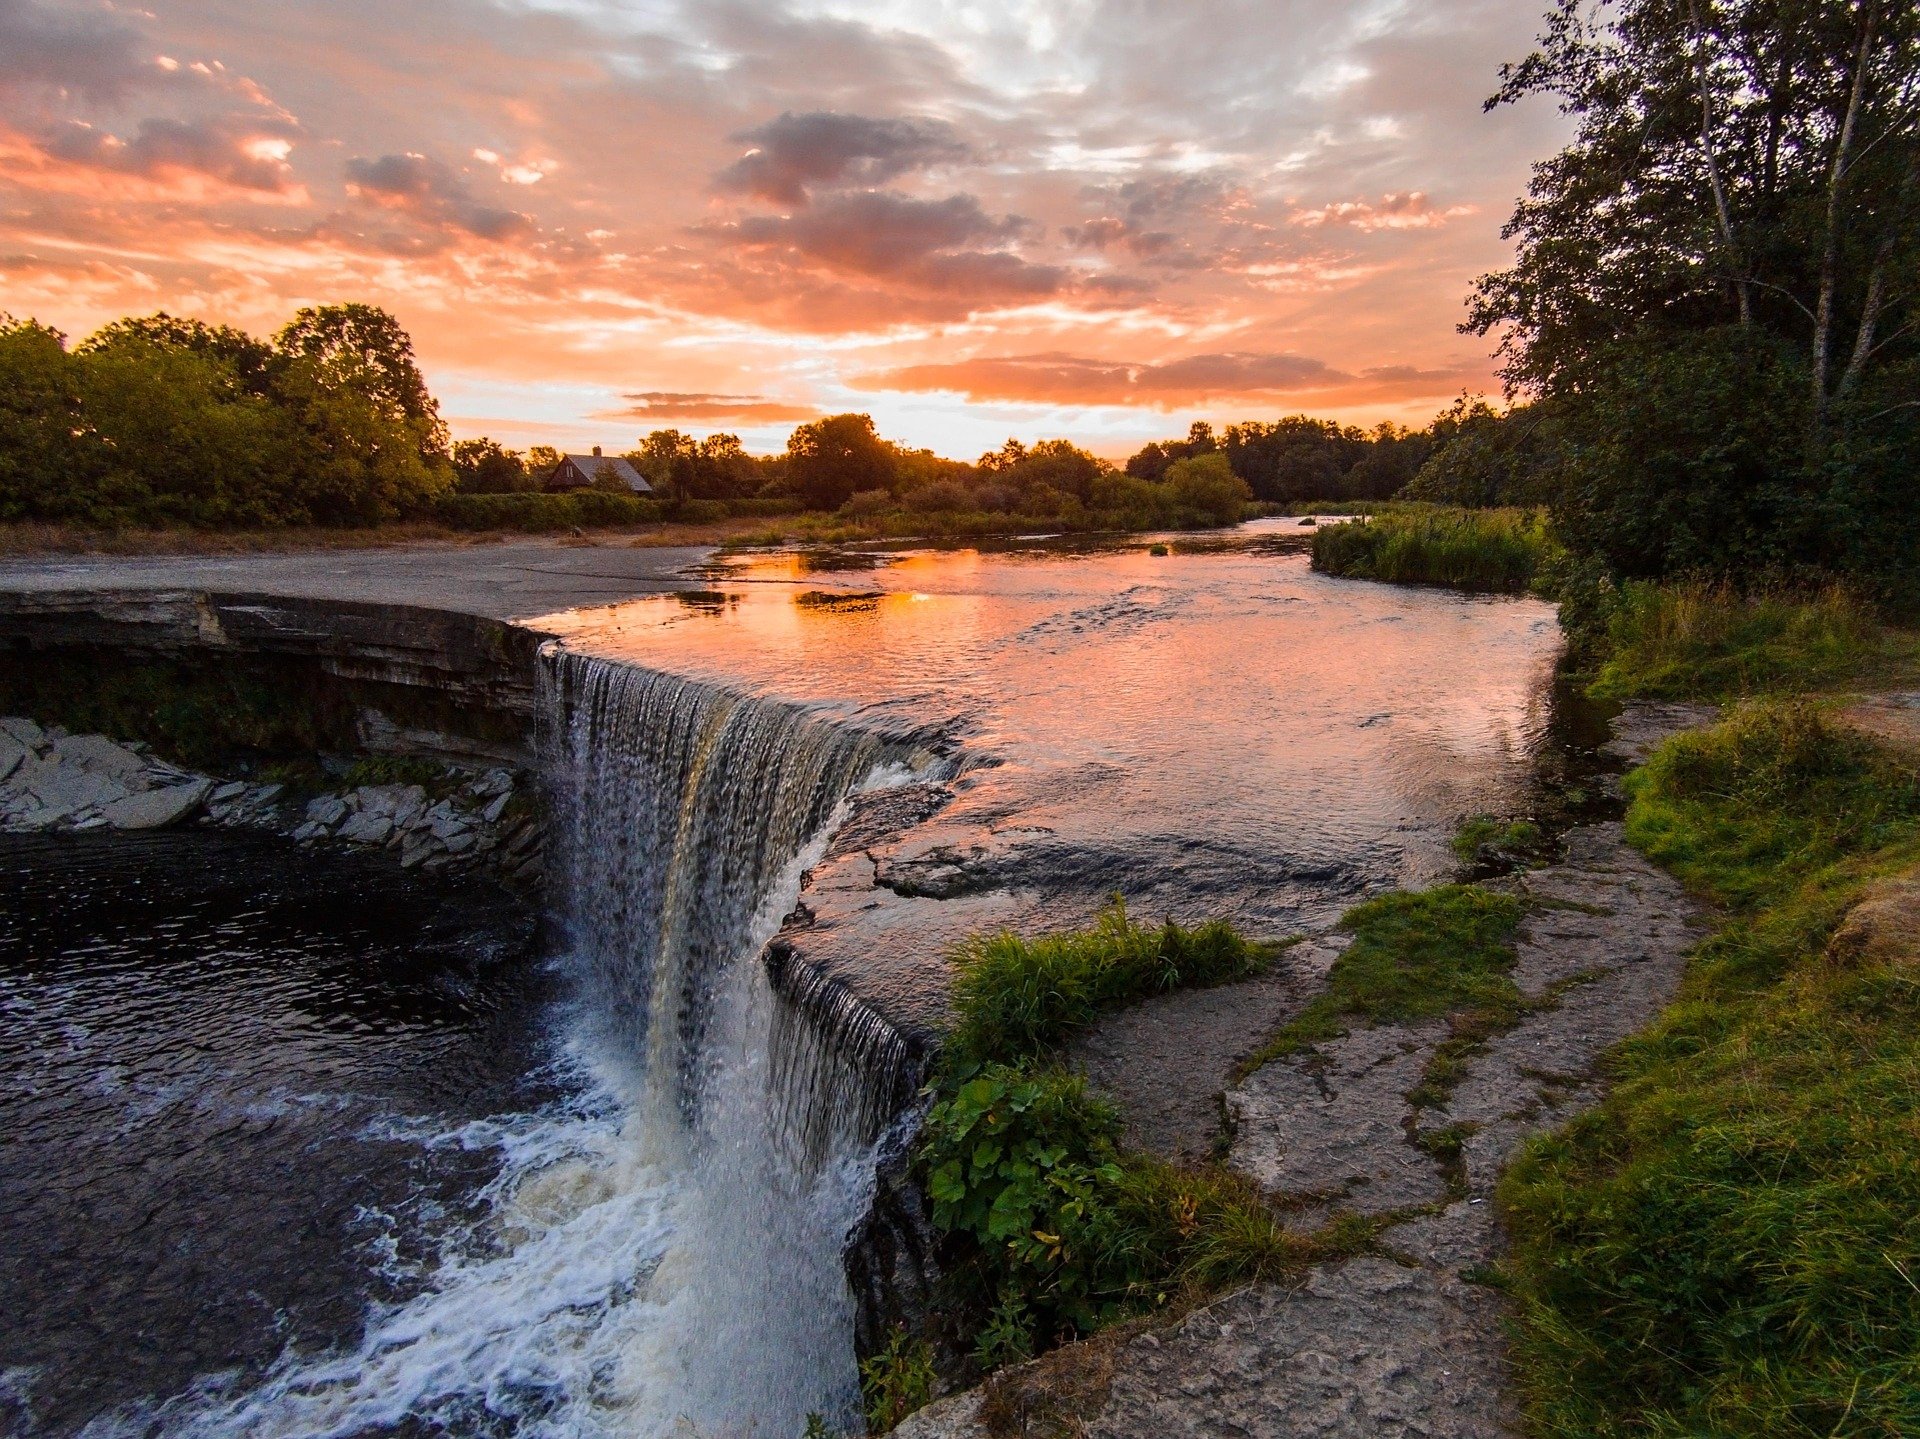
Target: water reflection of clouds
1144,707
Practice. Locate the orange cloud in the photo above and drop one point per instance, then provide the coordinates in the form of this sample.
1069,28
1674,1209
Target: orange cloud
1411,210
1063,379
651,406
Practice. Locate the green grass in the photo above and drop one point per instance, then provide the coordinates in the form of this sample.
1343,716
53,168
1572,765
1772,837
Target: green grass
1490,551
1414,956
1487,838
1706,642
1730,1243
1017,998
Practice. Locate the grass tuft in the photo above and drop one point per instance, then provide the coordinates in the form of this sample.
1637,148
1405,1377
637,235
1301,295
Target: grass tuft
1017,998
1413,956
1708,642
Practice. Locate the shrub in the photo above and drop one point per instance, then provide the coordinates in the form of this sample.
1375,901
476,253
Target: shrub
1494,551
543,511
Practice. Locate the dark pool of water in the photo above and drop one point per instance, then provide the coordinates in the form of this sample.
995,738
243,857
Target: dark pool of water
218,1059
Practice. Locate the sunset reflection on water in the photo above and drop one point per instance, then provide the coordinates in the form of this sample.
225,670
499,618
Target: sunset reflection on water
1218,729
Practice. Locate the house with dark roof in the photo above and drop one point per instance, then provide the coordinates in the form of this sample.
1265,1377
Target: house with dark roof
578,472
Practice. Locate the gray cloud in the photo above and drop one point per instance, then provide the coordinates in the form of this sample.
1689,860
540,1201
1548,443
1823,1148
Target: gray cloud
794,153
889,235
98,54
434,194
222,149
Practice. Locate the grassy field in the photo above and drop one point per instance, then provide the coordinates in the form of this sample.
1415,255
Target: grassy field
1487,551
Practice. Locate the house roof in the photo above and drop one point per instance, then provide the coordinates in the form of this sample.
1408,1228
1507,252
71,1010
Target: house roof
623,470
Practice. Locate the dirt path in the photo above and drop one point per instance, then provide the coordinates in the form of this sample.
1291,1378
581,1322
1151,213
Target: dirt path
1403,1343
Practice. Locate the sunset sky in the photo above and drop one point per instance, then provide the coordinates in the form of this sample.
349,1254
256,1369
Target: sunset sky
1094,218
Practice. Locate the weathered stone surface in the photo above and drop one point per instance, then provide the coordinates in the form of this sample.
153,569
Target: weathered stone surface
1368,1347
156,808
98,755
24,731
12,755
1334,1121
366,827
955,1417
327,810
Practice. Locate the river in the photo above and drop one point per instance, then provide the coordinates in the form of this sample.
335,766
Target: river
560,1196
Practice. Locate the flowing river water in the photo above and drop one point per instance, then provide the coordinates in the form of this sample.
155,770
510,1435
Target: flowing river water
607,1193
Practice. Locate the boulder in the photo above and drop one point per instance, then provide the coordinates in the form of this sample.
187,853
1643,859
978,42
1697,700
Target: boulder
157,808
99,755
491,814
326,811
24,731
367,827
12,754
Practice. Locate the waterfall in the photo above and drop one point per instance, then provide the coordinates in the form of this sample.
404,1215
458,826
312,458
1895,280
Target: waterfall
663,1255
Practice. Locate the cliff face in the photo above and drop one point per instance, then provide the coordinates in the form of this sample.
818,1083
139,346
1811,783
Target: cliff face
370,678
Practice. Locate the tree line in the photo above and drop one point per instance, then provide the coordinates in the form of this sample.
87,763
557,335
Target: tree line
160,420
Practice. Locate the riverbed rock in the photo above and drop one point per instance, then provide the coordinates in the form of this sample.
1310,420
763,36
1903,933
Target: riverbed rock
12,755
156,808
24,732
366,827
98,755
326,811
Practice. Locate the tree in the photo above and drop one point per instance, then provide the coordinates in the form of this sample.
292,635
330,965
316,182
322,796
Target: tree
1738,162
484,467
1206,487
49,462
250,360
830,459
364,348
1738,215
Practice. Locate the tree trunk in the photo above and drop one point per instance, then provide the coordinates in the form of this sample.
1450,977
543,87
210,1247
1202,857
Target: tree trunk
1830,249
1740,285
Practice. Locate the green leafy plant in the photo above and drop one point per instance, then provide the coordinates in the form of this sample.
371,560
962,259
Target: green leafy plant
896,1381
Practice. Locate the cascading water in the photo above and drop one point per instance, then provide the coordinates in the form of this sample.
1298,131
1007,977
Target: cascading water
660,1258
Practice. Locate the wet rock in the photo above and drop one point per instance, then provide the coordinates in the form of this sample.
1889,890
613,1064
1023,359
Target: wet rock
156,808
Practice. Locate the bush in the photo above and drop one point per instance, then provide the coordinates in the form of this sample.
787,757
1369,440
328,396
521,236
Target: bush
1490,551
543,511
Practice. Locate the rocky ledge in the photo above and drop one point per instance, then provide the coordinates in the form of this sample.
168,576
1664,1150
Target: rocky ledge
465,818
